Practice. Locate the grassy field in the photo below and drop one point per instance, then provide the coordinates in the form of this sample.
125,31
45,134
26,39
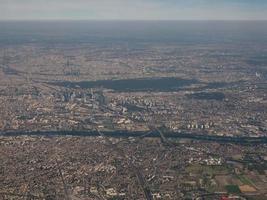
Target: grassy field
211,170
245,180
232,189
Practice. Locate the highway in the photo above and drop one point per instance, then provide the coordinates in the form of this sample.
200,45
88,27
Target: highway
137,172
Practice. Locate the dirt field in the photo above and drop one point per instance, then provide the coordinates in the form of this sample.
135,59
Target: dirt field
247,189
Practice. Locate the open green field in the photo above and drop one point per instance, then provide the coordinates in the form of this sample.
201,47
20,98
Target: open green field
232,189
204,169
245,180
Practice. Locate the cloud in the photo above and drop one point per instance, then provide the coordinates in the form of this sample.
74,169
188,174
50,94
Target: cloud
132,9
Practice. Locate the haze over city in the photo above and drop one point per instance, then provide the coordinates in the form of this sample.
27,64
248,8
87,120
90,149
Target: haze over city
133,10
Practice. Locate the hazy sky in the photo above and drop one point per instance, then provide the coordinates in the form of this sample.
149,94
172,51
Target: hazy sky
134,9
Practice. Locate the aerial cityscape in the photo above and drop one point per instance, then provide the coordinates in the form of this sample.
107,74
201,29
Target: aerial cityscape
133,109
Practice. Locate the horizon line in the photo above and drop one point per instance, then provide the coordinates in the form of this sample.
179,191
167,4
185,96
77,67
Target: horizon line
134,20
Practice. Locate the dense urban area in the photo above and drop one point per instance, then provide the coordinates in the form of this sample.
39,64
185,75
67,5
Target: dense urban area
187,121
209,90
